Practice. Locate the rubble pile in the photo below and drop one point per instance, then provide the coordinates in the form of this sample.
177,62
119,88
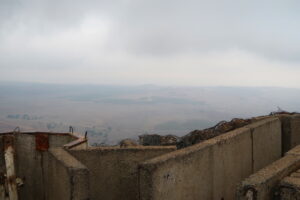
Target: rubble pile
158,140
197,136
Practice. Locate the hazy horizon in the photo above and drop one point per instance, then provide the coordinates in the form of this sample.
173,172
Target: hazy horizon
111,113
10,82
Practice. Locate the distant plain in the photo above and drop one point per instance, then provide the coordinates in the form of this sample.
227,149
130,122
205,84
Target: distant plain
111,113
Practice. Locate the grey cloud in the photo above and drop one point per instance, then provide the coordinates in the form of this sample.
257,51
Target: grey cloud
167,27
158,29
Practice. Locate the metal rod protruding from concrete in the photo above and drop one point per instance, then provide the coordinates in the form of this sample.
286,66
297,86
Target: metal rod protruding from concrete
17,130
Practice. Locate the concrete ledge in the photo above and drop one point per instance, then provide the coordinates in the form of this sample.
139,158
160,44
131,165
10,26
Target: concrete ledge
66,178
66,159
264,183
80,143
295,151
290,188
291,182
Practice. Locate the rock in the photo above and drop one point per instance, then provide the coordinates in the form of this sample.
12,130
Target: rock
157,140
197,136
128,143
168,140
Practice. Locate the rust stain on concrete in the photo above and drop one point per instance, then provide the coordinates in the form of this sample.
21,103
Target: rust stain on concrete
42,142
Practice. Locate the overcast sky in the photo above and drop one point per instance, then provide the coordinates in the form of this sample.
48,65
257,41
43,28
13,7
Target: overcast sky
164,42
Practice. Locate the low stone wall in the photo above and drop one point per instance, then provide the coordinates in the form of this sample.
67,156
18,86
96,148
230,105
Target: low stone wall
64,176
114,170
213,168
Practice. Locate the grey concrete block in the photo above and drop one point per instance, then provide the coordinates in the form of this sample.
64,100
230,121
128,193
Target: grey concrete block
266,137
290,131
67,178
264,182
209,170
114,170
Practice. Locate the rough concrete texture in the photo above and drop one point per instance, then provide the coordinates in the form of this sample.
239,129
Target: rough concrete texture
30,163
2,165
294,151
29,167
65,177
80,143
114,171
224,161
264,182
58,140
290,131
290,188
295,130
266,137
209,170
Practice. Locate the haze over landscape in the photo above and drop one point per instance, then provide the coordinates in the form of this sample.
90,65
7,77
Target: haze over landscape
118,69
112,113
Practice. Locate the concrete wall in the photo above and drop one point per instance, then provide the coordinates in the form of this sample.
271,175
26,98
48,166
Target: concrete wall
65,177
264,183
266,139
29,167
2,162
29,163
114,171
290,131
213,168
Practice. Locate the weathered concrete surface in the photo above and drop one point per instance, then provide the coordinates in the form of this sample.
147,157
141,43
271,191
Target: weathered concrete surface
58,140
290,188
29,167
9,156
295,130
290,131
224,161
30,163
114,171
80,143
266,137
232,162
294,151
209,170
65,177
2,164
265,182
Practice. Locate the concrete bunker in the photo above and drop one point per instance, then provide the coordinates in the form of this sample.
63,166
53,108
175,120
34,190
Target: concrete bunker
62,166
